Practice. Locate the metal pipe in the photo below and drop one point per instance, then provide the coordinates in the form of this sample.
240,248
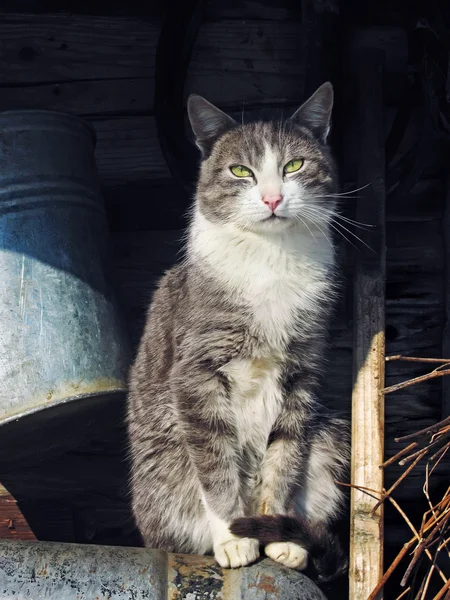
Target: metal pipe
49,570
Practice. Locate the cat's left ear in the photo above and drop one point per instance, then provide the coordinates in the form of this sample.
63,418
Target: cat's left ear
208,122
315,113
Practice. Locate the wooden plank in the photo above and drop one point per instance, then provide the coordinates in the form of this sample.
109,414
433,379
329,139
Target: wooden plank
256,10
118,8
61,48
155,204
251,62
94,64
366,531
425,202
128,150
321,47
53,48
84,98
13,525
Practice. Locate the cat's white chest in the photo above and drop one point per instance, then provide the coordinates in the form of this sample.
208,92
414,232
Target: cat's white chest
278,282
275,276
276,295
256,399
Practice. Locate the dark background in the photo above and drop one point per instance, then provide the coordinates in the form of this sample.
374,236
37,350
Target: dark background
127,67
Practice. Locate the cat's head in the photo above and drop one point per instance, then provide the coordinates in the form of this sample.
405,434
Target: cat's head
265,176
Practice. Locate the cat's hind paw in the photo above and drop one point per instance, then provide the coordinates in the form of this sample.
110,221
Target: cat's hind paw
237,552
288,554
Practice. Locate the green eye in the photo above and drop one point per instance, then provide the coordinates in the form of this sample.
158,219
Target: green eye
293,165
241,171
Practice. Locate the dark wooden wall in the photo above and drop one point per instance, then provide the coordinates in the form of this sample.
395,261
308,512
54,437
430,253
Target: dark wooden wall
100,63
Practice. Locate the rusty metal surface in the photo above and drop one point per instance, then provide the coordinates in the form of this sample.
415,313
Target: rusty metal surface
61,333
46,570
41,570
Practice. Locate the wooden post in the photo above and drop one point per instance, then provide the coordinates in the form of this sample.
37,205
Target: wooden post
366,530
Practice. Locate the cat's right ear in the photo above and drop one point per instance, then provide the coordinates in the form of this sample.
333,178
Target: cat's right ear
208,122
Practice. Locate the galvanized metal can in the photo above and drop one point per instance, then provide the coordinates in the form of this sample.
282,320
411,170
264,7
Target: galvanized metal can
64,350
46,570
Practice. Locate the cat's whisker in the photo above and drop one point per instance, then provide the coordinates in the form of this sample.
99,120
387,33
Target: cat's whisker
354,235
334,222
336,197
357,224
307,226
348,192
318,225
323,215
333,226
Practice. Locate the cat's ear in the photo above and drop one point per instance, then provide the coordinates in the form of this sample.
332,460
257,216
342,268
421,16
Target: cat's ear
207,121
315,113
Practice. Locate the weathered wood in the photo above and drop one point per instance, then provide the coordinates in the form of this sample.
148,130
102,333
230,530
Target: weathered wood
93,64
256,10
366,532
215,9
128,150
134,8
12,522
53,48
85,98
235,62
60,48
415,247
320,34
425,202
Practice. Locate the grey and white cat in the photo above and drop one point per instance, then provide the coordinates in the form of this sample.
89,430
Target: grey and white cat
225,429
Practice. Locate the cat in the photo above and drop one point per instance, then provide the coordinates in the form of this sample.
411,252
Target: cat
224,423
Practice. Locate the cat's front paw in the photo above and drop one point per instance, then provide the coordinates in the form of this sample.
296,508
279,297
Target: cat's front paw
288,554
237,552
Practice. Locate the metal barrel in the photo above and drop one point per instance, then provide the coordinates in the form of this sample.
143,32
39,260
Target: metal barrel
41,570
64,347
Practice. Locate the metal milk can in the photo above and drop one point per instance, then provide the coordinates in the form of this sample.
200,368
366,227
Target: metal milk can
64,351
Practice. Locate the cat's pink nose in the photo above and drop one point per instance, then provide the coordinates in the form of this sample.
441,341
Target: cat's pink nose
272,201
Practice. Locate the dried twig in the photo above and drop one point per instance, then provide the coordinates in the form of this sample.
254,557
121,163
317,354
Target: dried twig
395,458
399,386
431,445
423,432
416,359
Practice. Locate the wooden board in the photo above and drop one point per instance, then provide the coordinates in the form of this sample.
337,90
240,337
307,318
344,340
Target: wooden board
54,48
135,8
96,64
214,10
109,52
13,525
366,526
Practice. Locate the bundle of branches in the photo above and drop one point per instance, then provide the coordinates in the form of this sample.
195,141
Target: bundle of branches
432,539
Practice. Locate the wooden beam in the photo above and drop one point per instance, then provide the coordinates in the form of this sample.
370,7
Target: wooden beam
366,542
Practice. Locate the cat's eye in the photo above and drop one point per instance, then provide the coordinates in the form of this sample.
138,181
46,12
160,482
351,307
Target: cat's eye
293,166
241,171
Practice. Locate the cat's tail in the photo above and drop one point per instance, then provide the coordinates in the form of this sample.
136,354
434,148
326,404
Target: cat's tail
327,556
